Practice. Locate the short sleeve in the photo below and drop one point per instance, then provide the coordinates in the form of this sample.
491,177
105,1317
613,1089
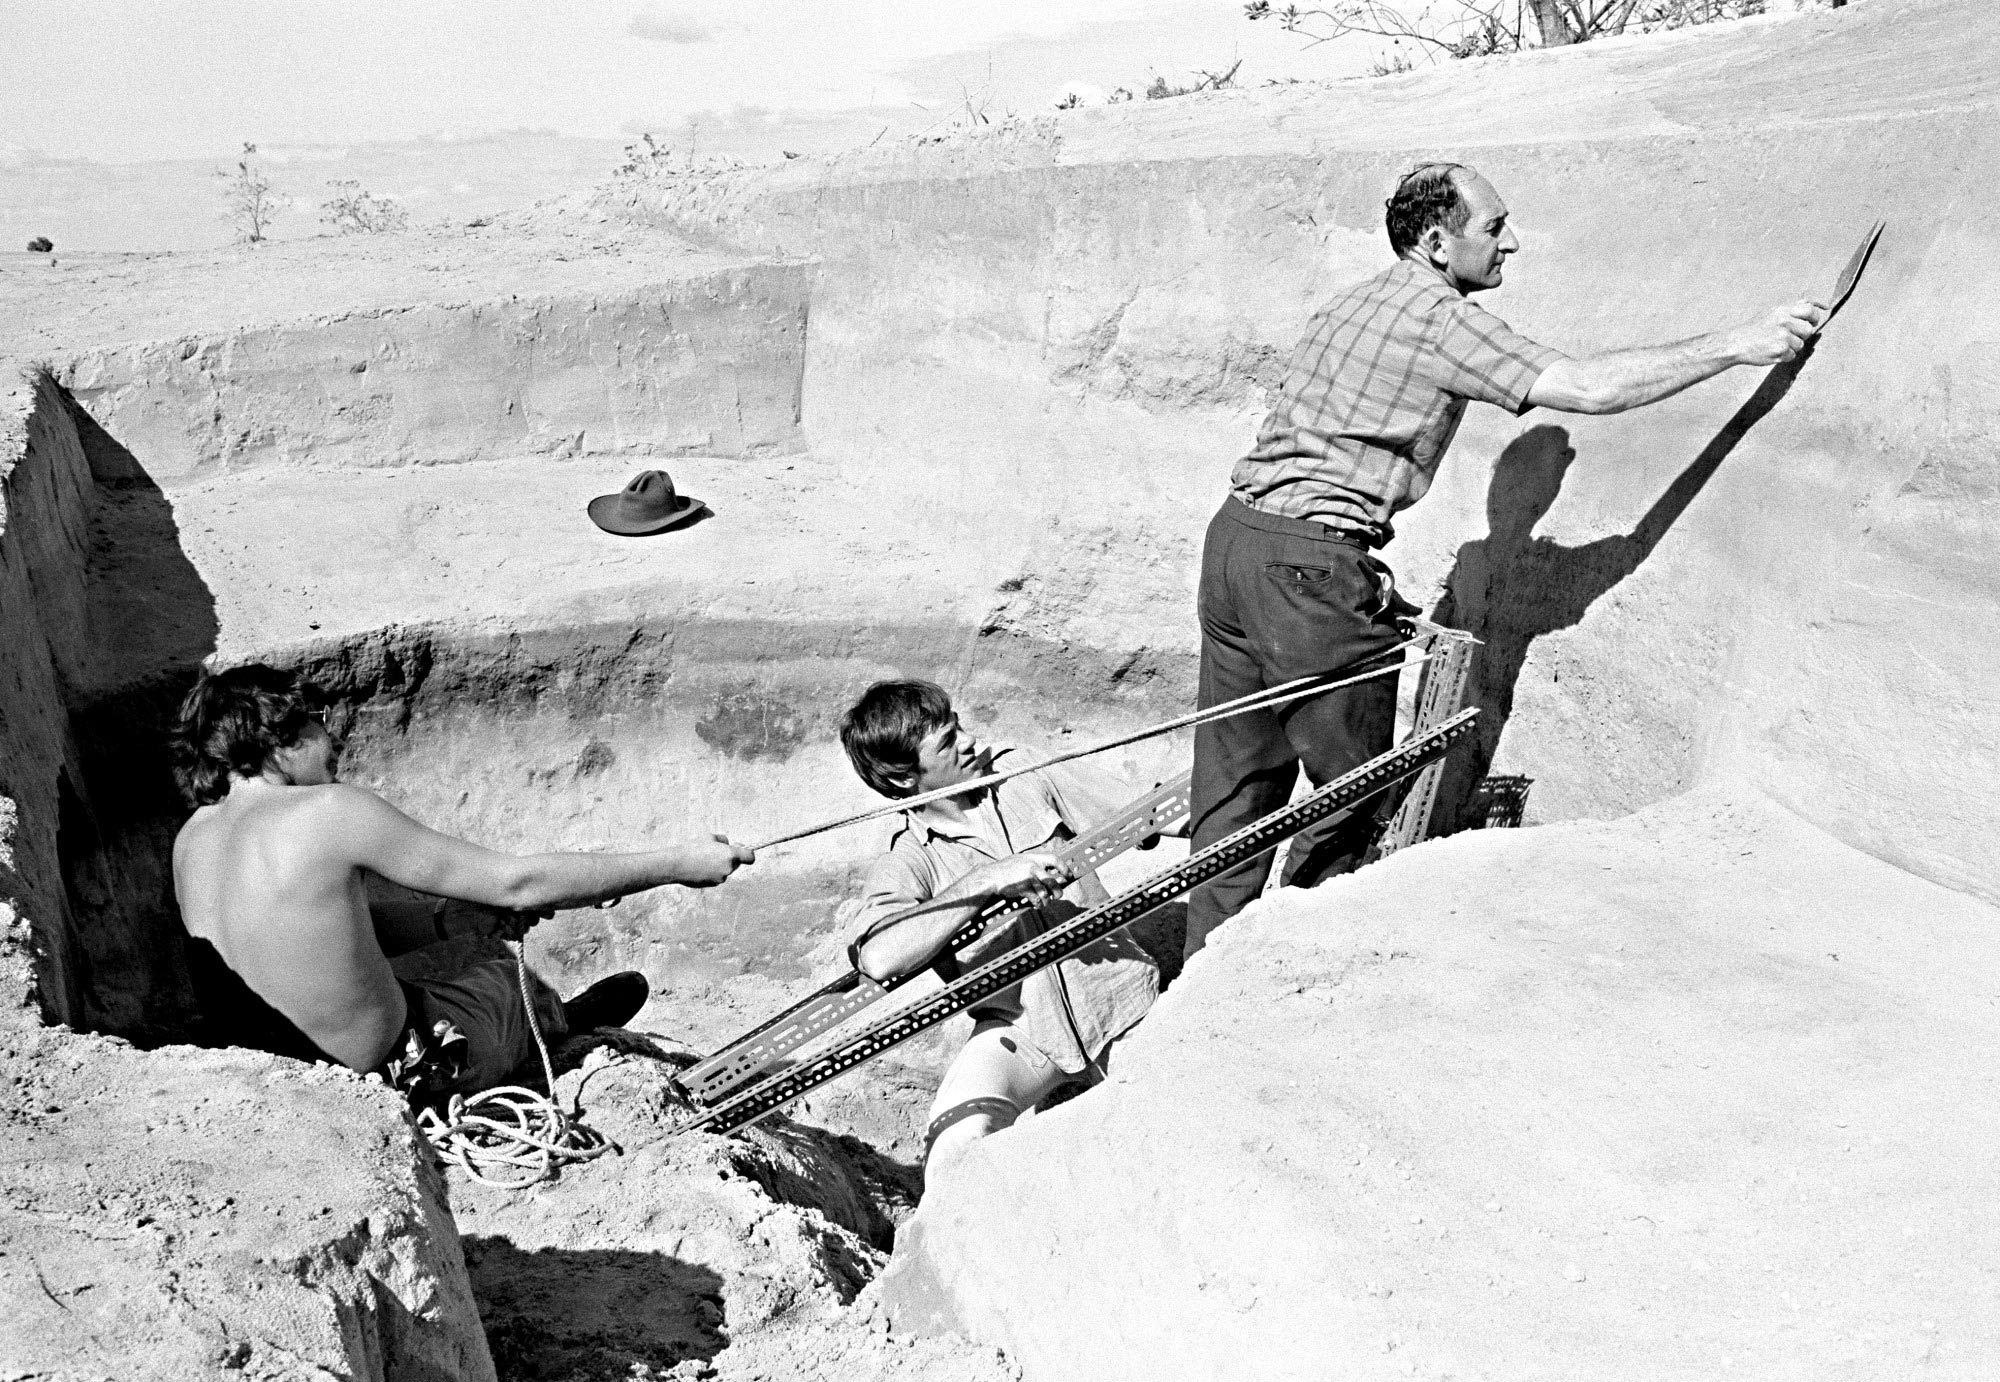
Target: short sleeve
1481,358
896,882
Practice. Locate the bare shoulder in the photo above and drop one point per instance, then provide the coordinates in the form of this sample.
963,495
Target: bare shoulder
341,809
187,840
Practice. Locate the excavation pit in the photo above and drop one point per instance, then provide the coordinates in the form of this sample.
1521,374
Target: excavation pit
1706,1034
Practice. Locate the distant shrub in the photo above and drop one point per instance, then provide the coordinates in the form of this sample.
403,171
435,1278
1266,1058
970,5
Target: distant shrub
249,202
649,160
1162,89
41,244
354,210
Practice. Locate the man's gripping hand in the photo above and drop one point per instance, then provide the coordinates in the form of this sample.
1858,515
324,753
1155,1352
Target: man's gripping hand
1027,877
1778,335
706,863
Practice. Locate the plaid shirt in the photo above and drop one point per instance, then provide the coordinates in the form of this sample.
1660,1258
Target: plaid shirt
1373,395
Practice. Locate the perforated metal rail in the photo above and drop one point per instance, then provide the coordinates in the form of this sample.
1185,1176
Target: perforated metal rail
758,1049
1337,798
1440,693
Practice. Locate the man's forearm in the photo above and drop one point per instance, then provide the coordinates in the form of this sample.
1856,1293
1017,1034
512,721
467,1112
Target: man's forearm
910,943
551,881
1621,379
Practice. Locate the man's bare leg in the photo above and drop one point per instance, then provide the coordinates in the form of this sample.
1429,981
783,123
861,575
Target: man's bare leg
995,1077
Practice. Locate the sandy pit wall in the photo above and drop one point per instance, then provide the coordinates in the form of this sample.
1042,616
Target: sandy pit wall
1697,1093
110,606
140,1241
504,670
238,377
45,499
1782,575
708,364
476,673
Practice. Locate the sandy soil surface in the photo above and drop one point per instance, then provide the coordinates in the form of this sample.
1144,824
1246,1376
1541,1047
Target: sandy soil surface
736,1259
505,544
1697,1093
138,1241
57,304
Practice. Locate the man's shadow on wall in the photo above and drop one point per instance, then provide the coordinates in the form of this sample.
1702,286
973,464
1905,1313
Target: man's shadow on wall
1510,587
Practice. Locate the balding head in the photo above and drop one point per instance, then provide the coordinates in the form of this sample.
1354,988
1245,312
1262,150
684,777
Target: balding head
1429,195
1446,216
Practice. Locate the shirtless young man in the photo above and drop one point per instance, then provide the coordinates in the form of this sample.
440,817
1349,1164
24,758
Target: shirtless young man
1058,1025
272,871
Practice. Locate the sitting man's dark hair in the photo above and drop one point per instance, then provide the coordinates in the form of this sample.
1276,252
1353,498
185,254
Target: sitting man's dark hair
232,722
884,729
1427,196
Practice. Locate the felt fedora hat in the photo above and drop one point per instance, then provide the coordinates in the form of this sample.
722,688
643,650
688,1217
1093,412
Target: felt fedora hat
647,505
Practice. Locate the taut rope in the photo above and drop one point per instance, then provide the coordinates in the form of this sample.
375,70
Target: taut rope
1316,684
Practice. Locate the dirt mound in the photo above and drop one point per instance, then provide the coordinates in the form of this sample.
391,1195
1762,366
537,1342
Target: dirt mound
1698,1093
695,1256
139,1240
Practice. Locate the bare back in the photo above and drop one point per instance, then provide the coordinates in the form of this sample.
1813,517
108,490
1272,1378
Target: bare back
262,876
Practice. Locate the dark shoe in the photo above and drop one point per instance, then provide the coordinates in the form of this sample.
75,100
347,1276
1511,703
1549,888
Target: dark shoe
607,1003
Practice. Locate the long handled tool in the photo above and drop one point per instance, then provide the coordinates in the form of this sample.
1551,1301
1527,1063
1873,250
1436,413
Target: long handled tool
1851,275
1336,799
758,1049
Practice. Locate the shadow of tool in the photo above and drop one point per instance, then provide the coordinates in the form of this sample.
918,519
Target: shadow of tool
1510,587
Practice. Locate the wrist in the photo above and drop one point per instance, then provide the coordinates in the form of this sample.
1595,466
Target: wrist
681,863
1733,347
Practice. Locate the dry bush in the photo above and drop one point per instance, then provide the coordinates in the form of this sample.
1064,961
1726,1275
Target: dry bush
354,210
1162,90
249,202
1474,28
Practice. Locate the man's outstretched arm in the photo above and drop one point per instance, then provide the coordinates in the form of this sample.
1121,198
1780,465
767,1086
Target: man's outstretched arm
411,921
1621,379
374,835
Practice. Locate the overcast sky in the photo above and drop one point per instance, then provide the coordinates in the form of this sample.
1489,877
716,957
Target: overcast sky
115,114
132,80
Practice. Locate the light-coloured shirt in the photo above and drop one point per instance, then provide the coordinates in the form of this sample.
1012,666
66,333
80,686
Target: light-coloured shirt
1373,397
1109,984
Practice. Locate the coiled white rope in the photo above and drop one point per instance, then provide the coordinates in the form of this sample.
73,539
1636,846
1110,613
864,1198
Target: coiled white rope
512,1137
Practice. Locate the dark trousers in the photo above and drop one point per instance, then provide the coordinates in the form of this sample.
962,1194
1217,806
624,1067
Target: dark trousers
1283,598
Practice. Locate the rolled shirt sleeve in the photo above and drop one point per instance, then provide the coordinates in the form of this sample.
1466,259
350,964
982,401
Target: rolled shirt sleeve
901,878
1479,357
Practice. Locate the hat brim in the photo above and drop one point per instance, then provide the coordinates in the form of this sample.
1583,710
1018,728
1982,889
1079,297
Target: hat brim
603,511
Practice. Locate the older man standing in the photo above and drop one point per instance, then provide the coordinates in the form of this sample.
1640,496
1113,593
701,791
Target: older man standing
1290,585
